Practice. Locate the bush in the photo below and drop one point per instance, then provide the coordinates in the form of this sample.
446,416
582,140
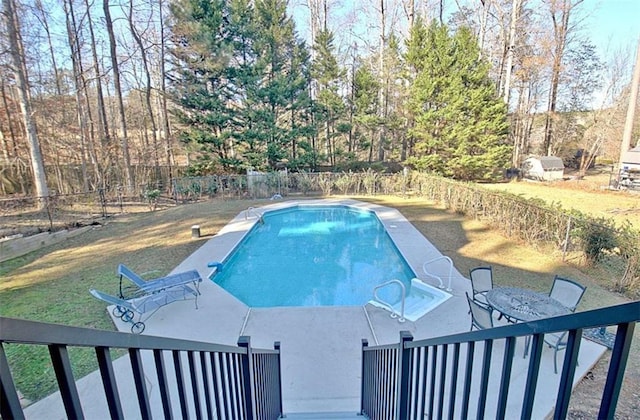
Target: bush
598,237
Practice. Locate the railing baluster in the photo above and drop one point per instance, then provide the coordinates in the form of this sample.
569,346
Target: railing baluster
66,383
163,386
484,381
467,380
443,377
109,382
421,402
9,401
194,384
454,380
532,376
141,388
205,384
218,394
568,372
177,366
507,364
432,385
617,365
236,386
227,381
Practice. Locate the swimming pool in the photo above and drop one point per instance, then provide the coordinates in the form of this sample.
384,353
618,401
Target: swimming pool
314,255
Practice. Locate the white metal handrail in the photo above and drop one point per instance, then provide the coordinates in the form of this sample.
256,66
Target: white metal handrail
441,285
251,211
387,304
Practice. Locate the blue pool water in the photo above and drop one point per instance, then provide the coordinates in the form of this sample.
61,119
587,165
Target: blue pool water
314,256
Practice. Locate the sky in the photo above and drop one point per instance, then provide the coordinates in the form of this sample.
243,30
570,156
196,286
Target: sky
613,23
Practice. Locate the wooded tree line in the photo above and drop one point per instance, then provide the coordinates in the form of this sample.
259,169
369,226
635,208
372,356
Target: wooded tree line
462,88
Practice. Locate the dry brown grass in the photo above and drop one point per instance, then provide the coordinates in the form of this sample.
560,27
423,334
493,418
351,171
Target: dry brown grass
588,195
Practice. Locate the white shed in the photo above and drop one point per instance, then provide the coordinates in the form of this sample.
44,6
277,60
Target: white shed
546,168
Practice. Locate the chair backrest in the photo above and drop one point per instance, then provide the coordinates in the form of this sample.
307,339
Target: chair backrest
481,279
126,272
567,292
480,315
111,299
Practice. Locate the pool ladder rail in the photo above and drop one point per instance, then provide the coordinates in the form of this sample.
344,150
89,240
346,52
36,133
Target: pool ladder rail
426,272
252,211
394,312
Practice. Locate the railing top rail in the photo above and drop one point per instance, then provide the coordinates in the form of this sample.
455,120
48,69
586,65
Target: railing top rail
619,314
381,347
23,331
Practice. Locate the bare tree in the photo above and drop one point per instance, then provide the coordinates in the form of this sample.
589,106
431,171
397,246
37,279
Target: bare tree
18,62
561,12
516,9
147,74
118,90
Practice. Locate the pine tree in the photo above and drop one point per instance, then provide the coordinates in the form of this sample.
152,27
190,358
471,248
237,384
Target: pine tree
326,72
365,103
202,82
460,122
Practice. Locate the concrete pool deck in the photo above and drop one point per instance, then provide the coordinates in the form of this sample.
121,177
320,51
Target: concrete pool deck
321,346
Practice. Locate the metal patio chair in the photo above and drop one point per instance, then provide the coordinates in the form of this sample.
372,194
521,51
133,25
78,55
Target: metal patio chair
137,310
567,292
480,315
187,282
481,283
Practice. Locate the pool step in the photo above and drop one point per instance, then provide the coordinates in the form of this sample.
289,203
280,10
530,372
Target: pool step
331,415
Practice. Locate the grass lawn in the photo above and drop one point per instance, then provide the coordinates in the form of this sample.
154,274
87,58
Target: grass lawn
586,195
52,284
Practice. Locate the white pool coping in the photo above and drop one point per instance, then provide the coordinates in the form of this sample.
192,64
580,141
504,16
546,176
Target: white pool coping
321,346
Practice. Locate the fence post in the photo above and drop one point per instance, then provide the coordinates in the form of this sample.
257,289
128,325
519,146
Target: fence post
566,239
276,346
365,343
404,375
247,376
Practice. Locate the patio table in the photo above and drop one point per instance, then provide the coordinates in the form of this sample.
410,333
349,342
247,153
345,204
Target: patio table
524,304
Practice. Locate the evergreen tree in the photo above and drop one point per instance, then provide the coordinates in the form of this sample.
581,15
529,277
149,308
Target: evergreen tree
460,123
326,72
201,83
241,82
365,103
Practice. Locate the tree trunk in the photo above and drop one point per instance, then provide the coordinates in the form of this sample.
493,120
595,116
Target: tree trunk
147,96
561,31
103,125
163,96
382,112
515,13
18,60
118,90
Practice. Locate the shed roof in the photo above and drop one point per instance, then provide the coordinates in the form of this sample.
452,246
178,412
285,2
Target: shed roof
551,162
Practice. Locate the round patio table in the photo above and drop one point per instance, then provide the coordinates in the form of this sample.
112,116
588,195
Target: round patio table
524,304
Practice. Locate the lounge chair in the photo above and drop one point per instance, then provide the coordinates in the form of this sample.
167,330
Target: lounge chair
186,281
144,305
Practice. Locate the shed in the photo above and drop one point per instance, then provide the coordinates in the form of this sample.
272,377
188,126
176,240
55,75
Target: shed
631,158
545,168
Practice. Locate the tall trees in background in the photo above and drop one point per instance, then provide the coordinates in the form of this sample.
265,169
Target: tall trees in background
460,123
248,93
242,82
19,67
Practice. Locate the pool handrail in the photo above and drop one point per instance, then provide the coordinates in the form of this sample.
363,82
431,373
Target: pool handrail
387,304
441,285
